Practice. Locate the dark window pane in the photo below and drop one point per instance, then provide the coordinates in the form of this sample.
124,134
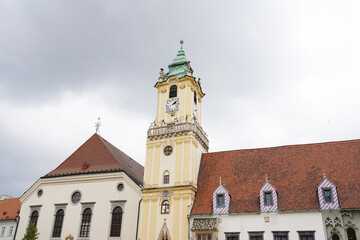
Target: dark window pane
173,91
85,223
34,217
351,234
327,195
220,200
59,218
195,100
268,199
335,237
116,222
166,179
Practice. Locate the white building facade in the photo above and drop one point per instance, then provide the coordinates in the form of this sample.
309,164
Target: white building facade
95,201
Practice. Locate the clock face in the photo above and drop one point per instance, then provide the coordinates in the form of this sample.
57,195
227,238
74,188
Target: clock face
195,110
172,105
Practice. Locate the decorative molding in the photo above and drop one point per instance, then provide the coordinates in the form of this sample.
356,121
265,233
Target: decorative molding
329,222
349,224
346,213
337,222
173,130
69,237
204,224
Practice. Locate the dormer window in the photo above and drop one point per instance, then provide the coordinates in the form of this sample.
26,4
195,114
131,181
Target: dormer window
327,195
220,200
268,199
173,91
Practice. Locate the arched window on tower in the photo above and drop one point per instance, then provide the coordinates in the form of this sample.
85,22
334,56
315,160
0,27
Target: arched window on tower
195,100
59,218
116,222
173,91
85,223
166,177
165,207
351,234
34,217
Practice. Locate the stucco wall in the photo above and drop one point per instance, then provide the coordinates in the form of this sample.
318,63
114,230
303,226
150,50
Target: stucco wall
98,191
7,234
245,223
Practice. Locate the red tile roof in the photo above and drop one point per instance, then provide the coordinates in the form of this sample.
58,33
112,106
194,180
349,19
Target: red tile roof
295,171
9,208
98,155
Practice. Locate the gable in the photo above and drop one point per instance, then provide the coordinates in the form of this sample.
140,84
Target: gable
97,155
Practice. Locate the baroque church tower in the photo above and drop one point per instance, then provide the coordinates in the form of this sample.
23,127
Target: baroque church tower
175,143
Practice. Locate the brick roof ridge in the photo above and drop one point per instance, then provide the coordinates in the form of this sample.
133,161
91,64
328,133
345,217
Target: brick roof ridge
134,169
9,208
98,155
284,146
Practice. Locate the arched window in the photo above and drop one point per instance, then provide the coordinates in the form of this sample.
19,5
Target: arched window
351,234
173,91
85,223
116,222
34,217
335,237
195,99
165,207
166,177
59,218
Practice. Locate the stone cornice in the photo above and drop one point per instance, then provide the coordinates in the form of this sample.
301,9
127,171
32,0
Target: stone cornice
178,129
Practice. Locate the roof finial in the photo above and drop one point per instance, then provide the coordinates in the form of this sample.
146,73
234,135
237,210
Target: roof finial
266,178
220,181
97,126
324,174
181,42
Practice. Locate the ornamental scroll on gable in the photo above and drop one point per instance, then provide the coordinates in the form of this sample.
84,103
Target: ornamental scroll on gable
330,201
266,207
221,200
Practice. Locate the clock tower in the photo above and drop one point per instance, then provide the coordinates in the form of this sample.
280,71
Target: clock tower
175,143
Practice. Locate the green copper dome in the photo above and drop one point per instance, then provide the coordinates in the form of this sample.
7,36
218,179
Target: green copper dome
180,66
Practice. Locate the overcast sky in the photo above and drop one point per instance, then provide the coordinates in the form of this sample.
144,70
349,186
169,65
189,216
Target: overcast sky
274,73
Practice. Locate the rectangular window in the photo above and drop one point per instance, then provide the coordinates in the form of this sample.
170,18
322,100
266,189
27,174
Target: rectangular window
220,200
166,179
281,235
232,236
11,230
256,235
327,195
306,235
205,236
268,199
2,231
